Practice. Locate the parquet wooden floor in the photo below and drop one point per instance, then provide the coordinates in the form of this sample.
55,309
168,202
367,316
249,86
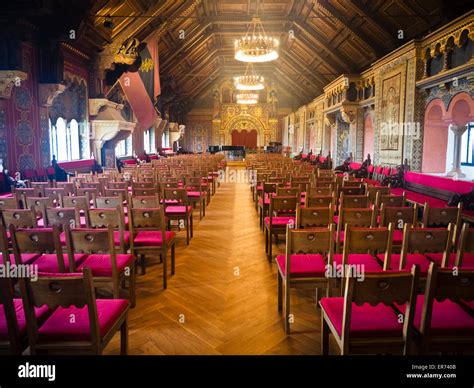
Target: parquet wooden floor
223,298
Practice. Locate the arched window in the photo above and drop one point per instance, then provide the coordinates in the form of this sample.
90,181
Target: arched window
467,146
64,140
124,147
149,141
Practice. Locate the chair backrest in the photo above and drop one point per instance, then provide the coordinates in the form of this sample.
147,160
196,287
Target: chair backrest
390,200
11,320
36,240
441,216
108,218
60,216
122,193
68,187
305,241
441,284
92,192
108,202
466,244
89,241
180,195
20,218
82,203
38,203
319,200
54,193
280,205
423,240
269,187
354,201
193,182
62,290
143,185
320,190
383,287
147,219
311,217
368,240
288,191
356,217
9,203
150,201
374,190
116,186
398,216
352,190
349,183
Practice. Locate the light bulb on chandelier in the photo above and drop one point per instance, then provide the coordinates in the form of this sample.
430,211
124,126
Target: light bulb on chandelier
256,46
249,81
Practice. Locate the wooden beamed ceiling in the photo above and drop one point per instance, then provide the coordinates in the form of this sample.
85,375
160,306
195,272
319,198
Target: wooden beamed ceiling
319,39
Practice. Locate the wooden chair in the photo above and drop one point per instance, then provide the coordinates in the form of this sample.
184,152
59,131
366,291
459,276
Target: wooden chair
398,216
319,200
390,200
149,236
358,190
54,193
421,246
465,251
137,202
68,187
60,216
196,193
288,192
364,321
116,186
46,244
9,203
320,191
91,192
354,201
314,217
442,322
82,204
282,212
39,204
40,187
122,193
364,218
105,217
435,217
263,201
374,190
109,202
108,268
308,253
88,333
179,211
19,218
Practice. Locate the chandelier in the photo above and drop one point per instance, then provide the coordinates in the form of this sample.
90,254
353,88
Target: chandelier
247,98
256,46
249,81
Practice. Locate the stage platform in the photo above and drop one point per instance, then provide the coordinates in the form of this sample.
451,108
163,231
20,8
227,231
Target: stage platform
235,163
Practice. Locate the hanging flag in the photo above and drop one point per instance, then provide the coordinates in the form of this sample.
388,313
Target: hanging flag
143,86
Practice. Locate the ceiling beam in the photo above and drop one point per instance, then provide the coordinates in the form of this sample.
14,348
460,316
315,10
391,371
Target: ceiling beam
366,41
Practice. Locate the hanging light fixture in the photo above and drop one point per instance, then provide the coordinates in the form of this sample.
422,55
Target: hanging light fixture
247,98
256,46
250,80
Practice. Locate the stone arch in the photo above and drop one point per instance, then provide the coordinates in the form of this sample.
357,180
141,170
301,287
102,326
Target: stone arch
435,137
255,124
460,109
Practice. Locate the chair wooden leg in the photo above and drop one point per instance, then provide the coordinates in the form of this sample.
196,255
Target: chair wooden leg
124,338
187,230
172,259
191,224
266,240
204,208
324,336
287,314
142,264
132,286
270,246
116,288
280,291
165,271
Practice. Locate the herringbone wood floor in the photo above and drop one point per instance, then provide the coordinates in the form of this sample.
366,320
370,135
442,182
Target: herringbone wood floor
223,298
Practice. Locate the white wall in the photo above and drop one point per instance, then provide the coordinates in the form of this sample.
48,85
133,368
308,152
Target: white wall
469,171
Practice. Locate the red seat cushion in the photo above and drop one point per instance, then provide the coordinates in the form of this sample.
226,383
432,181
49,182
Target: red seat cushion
49,262
280,221
398,237
101,265
26,258
58,326
368,261
40,312
177,210
195,194
412,258
448,318
304,265
151,238
366,320
267,201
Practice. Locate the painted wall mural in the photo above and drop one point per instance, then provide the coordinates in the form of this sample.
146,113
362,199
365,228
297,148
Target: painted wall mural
391,119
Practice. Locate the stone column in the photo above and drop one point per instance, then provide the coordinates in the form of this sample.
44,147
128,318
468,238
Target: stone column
458,132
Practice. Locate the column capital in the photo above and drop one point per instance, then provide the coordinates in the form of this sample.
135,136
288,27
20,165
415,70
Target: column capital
457,129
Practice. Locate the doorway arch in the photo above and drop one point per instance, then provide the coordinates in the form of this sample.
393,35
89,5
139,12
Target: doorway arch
241,123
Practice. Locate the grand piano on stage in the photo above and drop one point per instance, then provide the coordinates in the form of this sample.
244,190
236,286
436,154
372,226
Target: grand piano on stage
230,152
